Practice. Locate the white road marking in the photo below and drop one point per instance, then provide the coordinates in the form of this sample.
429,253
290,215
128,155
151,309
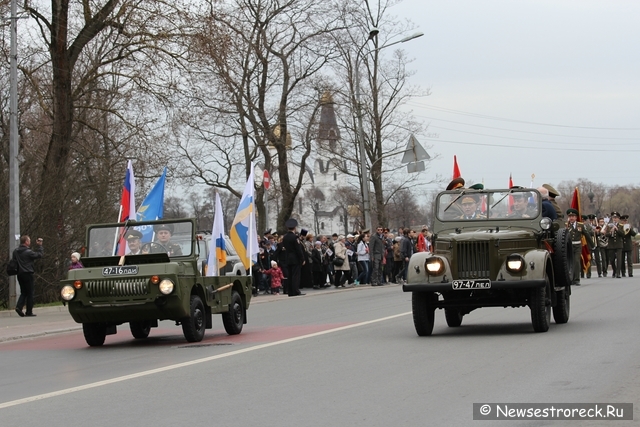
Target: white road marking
190,363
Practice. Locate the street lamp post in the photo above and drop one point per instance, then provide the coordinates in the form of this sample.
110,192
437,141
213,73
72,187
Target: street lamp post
364,173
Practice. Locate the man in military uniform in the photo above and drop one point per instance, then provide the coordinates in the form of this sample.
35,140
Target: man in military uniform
521,206
589,230
615,233
163,237
576,231
133,242
469,204
602,246
553,193
627,245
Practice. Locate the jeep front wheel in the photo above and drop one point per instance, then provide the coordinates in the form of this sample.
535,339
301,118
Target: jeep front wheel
540,308
194,325
140,330
453,317
233,320
94,333
562,308
423,312
562,258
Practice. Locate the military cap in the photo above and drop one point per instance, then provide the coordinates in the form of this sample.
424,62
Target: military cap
477,186
291,223
584,217
266,233
304,232
520,195
456,183
133,234
159,227
592,216
614,213
624,217
365,231
552,191
572,211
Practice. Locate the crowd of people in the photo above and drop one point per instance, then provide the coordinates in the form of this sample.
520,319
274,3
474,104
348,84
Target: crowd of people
361,258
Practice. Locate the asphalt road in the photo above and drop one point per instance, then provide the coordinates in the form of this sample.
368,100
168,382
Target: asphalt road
348,358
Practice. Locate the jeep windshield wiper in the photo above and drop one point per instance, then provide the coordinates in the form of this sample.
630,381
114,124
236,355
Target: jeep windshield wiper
496,203
453,201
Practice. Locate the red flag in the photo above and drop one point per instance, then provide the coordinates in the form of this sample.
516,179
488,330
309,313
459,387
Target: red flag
127,205
456,170
510,197
585,254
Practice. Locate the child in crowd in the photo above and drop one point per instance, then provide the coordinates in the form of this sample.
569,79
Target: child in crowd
276,277
75,261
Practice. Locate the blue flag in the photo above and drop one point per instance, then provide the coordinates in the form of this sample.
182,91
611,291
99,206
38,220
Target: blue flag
243,233
152,208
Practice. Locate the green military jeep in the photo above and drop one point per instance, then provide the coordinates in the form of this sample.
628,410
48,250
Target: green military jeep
132,276
492,248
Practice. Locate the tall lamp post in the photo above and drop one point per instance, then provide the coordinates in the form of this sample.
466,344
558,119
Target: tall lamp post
364,173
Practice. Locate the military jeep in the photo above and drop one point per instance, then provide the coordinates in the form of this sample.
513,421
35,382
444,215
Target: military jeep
491,248
163,281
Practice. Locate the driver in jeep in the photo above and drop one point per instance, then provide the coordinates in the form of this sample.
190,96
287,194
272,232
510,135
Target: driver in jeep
469,205
163,237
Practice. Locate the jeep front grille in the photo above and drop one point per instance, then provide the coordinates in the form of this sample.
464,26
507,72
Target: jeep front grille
473,260
118,287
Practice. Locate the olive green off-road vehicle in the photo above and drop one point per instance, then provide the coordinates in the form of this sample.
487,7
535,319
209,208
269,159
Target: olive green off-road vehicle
163,281
492,248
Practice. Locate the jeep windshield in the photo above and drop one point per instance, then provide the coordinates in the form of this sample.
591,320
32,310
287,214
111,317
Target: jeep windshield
139,238
488,205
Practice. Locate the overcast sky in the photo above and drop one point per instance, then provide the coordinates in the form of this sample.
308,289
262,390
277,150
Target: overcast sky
550,88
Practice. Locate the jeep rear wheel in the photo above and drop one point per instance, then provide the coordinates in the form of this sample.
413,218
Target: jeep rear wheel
140,330
233,320
562,308
453,317
563,258
540,308
94,333
423,312
194,325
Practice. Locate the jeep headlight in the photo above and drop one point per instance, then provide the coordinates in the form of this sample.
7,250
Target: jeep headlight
434,266
166,286
67,292
515,263
545,223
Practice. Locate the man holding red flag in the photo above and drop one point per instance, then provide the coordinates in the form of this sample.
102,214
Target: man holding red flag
579,238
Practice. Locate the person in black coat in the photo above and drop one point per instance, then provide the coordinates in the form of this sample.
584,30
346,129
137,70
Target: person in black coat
25,257
293,255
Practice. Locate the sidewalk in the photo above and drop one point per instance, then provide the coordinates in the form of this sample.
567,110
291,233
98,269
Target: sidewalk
55,320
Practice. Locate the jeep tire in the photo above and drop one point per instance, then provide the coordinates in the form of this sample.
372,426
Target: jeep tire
540,305
453,317
233,320
94,333
563,258
423,312
140,330
563,306
193,326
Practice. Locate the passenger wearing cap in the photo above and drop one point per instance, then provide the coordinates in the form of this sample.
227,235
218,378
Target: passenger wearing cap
576,232
469,204
553,193
615,233
456,184
133,242
627,246
521,206
163,237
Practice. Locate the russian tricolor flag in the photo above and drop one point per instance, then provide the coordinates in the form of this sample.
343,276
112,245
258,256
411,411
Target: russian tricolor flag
127,206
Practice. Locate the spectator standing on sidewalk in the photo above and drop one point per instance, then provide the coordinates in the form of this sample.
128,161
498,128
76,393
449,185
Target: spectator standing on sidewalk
376,253
406,249
276,275
26,257
364,261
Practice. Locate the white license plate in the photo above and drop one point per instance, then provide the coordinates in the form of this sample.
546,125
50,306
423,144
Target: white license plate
471,284
120,271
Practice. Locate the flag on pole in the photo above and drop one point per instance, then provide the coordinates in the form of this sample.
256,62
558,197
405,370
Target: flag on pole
217,247
510,197
152,208
127,208
243,232
128,200
585,254
456,170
